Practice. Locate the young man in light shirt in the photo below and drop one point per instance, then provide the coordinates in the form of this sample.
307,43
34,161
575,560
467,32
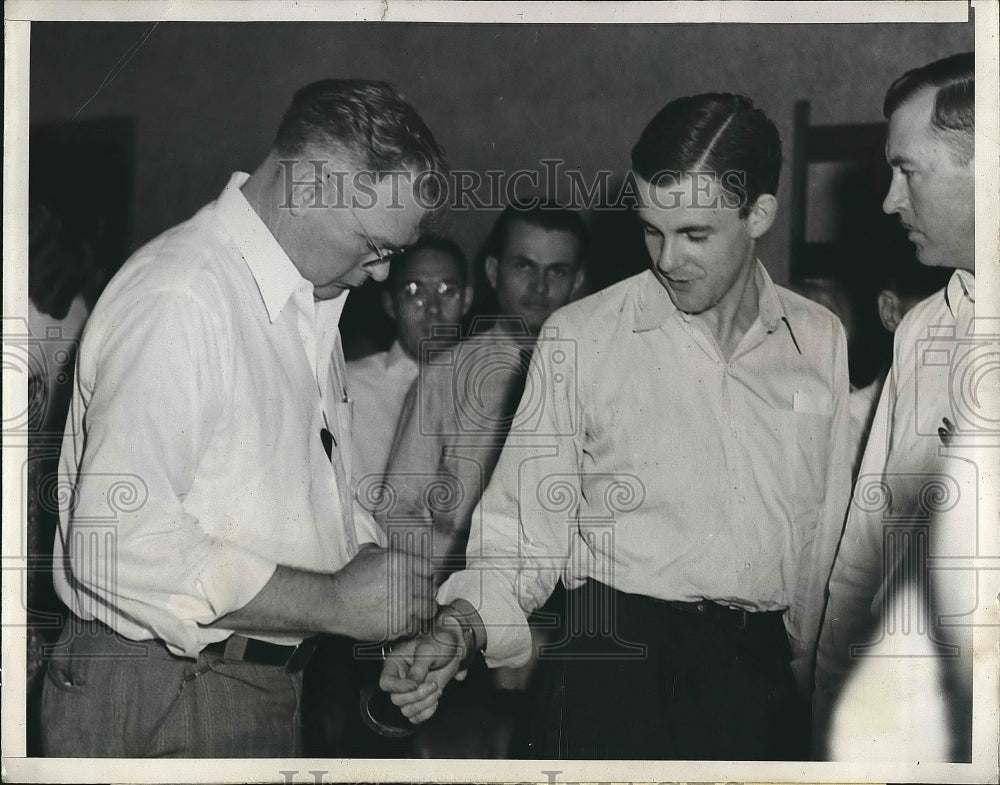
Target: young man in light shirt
684,472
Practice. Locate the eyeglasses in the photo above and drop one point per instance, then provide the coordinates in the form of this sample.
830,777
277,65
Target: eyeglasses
419,292
383,255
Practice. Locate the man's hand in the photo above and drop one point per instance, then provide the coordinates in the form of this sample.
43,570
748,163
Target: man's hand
383,593
416,671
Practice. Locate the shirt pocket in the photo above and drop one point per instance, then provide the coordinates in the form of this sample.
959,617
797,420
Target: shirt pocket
810,459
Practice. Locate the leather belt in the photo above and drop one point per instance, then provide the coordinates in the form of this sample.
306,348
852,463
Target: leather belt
239,648
712,610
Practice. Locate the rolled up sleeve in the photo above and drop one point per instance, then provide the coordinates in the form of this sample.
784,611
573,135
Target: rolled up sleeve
519,542
151,409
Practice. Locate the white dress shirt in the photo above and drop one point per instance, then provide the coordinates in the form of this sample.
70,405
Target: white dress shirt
192,457
643,458
378,385
862,404
906,479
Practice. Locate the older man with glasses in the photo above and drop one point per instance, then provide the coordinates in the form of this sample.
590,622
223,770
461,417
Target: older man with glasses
212,533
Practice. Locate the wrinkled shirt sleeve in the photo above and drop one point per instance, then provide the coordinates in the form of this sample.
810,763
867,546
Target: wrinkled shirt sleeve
151,413
519,538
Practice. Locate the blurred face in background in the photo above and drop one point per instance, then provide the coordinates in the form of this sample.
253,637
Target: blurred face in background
427,289
537,272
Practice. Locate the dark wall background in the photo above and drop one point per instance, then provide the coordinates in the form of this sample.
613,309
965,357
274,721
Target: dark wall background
206,97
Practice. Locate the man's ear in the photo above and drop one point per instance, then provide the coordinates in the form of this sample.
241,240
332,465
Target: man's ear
577,282
467,295
890,309
761,216
303,193
388,303
491,270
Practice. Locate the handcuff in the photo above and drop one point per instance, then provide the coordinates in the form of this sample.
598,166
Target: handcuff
378,711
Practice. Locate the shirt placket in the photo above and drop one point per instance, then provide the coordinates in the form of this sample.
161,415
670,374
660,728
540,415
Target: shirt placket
735,483
329,375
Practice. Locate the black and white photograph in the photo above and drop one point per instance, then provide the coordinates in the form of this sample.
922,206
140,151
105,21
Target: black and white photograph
507,392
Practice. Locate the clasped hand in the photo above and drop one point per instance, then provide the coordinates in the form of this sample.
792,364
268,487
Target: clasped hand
416,671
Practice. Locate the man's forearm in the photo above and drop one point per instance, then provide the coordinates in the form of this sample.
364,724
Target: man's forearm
380,594
296,602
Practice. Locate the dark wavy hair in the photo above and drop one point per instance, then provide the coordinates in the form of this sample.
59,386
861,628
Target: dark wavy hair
367,120
60,268
722,134
954,116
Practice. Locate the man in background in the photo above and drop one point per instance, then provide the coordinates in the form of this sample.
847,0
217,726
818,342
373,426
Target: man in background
427,288
454,425
908,471
903,284
457,415
209,424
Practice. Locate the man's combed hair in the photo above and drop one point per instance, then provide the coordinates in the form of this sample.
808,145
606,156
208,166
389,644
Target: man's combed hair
366,120
954,113
721,134
550,216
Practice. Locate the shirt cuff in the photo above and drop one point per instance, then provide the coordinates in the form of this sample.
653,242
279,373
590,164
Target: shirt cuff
508,637
231,578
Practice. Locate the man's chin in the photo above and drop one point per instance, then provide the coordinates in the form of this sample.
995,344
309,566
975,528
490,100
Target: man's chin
928,258
330,291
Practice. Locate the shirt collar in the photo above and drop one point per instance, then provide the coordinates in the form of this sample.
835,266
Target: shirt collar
962,285
654,305
276,276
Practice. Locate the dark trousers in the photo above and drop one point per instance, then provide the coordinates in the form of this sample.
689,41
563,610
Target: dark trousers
105,696
638,678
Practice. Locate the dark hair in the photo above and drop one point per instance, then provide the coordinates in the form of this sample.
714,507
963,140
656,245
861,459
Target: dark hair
718,133
550,216
60,268
954,115
367,120
432,242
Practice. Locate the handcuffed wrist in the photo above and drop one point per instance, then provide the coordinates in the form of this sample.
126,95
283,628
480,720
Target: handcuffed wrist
470,641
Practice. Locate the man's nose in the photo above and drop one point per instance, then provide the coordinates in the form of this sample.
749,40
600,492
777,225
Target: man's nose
378,271
540,283
895,199
667,259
